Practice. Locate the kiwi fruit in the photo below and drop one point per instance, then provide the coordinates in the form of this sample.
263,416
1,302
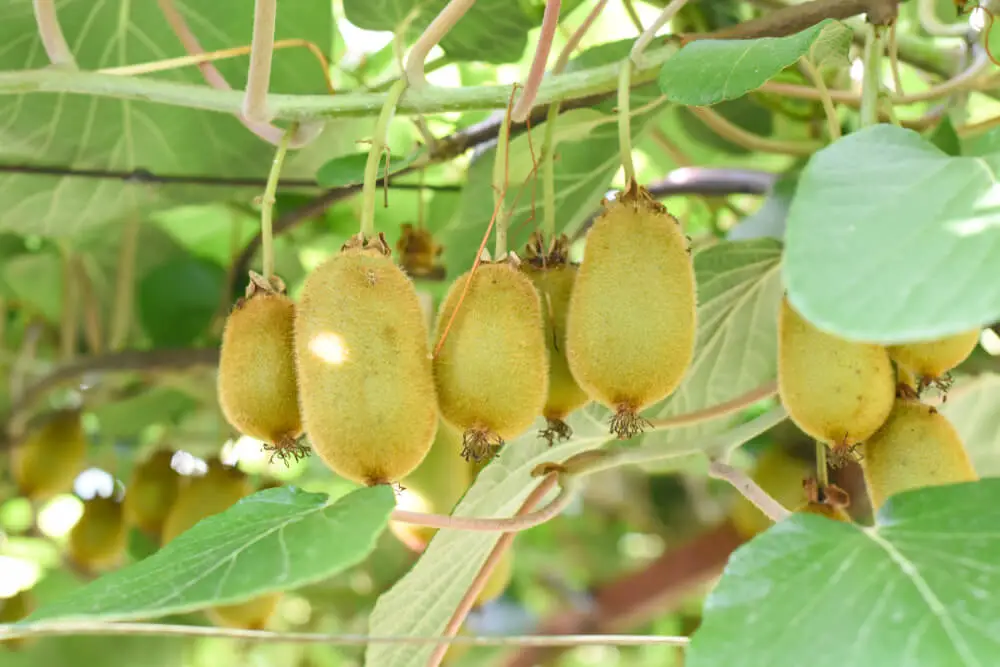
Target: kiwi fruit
931,360
151,492
781,475
916,447
13,609
837,391
98,541
419,253
217,490
631,324
257,385
364,365
51,457
435,486
492,370
553,276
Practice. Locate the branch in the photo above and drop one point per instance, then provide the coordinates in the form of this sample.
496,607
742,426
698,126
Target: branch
749,489
548,30
51,33
636,597
796,18
433,34
261,52
728,130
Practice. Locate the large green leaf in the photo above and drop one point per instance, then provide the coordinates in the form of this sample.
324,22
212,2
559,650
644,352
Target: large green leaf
493,31
889,239
103,133
739,290
421,603
974,409
708,71
275,540
919,588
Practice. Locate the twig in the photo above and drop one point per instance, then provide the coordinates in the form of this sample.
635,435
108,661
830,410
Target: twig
261,52
549,22
749,489
822,469
871,81
501,175
642,43
832,121
897,79
761,393
796,18
267,203
92,324
369,187
724,128
306,133
932,25
434,33
574,39
477,585
633,16
70,322
121,312
83,628
51,33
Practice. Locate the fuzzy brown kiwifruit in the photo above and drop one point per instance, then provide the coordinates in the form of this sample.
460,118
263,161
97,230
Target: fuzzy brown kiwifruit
916,447
98,541
257,384
931,360
419,253
631,324
366,387
49,459
491,372
151,492
836,390
553,276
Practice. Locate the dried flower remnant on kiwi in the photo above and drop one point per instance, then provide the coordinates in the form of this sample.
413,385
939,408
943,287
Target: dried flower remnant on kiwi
631,325
553,275
419,253
257,384
929,363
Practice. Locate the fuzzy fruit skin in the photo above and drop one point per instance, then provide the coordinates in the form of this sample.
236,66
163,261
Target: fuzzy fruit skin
257,387
98,541
837,391
934,358
780,474
830,512
14,609
50,459
492,371
435,486
555,286
630,329
916,447
363,358
217,490
151,492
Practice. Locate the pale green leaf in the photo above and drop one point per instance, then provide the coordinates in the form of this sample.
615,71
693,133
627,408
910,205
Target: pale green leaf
919,588
891,240
973,406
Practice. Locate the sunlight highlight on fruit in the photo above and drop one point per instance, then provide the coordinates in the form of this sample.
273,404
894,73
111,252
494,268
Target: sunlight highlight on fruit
329,348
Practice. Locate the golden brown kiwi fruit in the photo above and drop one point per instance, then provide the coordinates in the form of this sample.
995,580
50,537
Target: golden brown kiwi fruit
492,369
98,541
916,447
553,276
364,365
151,492
13,609
49,459
930,360
257,384
630,329
434,487
781,475
217,490
837,391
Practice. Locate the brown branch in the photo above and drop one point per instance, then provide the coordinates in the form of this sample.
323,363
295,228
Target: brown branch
796,18
636,597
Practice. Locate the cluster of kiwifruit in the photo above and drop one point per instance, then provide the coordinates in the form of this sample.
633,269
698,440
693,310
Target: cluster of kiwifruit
350,366
863,400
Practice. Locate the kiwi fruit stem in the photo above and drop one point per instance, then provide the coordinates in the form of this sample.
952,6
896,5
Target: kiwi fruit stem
370,184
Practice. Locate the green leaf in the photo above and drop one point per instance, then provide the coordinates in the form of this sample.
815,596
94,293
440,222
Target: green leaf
739,291
104,133
275,540
350,169
918,588
946,138
421,603
743,112
492,31
178,300
890,240
707,71
973,406
128,416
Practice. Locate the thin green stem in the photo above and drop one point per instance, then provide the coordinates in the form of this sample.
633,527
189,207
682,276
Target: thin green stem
369,188
267,203
832,121
500,167
633,16
822,469
549,174
625,121
871,81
